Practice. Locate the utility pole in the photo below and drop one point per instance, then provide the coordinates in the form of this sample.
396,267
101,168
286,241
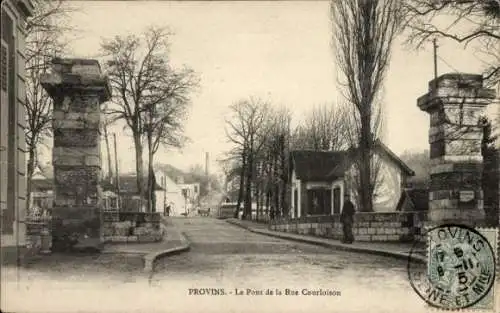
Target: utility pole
435,46
164,178
117,173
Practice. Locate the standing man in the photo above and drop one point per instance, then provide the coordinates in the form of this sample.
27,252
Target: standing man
347,219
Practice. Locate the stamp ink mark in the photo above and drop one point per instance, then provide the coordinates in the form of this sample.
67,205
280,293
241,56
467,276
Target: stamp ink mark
460,271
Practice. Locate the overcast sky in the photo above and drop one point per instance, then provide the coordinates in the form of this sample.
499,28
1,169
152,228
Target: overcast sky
276,50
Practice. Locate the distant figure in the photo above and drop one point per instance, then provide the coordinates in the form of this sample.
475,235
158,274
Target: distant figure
272,213
347,219
168,210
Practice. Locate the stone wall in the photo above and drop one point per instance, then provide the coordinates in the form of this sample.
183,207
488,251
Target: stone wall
132,227
393,226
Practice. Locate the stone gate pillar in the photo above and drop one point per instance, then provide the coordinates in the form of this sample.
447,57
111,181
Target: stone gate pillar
455,103
77,88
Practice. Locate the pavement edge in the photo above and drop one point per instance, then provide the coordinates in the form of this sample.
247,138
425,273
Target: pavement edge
397,255
150,258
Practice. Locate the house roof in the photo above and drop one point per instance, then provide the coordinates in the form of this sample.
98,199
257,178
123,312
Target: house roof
384,149
318,165
315,165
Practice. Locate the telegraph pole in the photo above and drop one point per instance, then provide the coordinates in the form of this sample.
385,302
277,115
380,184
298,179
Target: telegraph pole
435,46
117,173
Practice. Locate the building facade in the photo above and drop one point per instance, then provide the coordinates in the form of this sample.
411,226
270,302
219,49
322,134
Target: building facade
171,195
12,117
320,179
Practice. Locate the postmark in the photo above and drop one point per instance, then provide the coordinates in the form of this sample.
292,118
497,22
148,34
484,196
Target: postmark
459,270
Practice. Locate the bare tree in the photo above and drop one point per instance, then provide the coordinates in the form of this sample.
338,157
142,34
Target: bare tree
44,33
463,21
324,128
139,72
165,115
275,159
246,127
363,33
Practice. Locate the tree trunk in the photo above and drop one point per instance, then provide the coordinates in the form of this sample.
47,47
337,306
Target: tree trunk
366,189
152,194
242,185
248,188
257,200
30,172
268,200
139,169
151,183
283,177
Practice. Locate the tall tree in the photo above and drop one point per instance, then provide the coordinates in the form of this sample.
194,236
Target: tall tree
165,115
276,152
363,33
246,131
145,98
45,31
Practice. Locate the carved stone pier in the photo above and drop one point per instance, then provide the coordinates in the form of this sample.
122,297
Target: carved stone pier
77,88
456,102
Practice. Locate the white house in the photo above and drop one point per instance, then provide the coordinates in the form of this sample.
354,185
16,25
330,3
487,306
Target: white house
170,195
319,180
191,194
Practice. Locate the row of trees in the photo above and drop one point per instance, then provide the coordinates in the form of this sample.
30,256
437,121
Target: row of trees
262,137
150,97
363,32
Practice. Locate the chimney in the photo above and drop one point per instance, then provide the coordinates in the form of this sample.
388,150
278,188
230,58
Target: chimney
209,187
206,164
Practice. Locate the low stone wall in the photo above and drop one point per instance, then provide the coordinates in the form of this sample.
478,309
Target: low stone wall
393,226
131,227
38,234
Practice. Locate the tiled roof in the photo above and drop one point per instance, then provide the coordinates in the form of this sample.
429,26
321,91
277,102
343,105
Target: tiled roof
318,165
315,165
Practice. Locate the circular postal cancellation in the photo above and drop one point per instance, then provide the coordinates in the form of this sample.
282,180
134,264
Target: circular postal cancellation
459,269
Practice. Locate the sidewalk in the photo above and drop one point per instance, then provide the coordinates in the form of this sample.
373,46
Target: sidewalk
173,242
396,250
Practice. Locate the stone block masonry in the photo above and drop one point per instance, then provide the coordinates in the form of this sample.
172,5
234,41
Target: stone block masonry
455,103
387,227
77,88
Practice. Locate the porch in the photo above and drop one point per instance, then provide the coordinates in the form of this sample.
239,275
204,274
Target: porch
317,198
